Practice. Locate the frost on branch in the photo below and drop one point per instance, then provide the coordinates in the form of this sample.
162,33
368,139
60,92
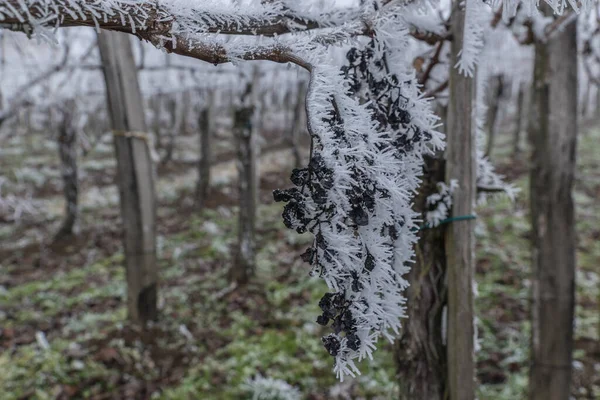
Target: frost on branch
355,195
440,203
192,24
510,7
477,16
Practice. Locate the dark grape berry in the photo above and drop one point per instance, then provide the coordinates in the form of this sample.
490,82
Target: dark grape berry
327,305
369,262
322,320
280,195
308,255
359,216
332,344
348,323
369,201
299,176
356,285
353,342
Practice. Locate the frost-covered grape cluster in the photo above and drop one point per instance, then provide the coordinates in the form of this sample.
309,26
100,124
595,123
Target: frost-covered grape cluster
354,197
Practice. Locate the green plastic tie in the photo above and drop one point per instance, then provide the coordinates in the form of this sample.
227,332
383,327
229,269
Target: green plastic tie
447,221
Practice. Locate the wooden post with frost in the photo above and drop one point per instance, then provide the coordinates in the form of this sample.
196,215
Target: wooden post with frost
420,351
460,165
135,174
155,104
244,262
67,151
553,135
174,127
298,123
205,125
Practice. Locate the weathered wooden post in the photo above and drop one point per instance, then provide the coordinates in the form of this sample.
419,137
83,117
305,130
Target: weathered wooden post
205,126
553,135
460,166
173,129
135,174
244,131
67,151
420,351
495,93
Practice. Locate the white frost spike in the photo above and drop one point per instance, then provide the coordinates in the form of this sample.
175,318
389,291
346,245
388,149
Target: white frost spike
442,202
186,332
476,19
40,338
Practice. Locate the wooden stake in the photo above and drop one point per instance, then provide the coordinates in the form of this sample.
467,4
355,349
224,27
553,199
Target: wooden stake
554,138
135,175
460,166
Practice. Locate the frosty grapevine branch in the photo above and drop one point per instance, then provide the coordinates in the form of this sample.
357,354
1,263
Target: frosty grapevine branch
157,23
151,22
